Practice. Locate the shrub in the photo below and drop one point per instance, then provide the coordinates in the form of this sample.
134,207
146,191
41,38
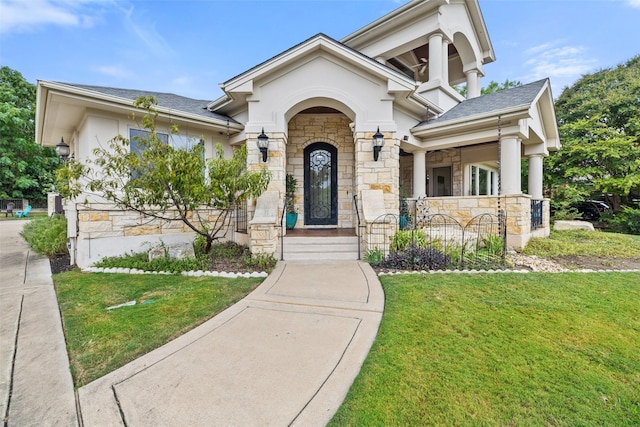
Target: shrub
47,235
222,255
141,261
627,220
404,239
564,201
493,244
374,256
416,259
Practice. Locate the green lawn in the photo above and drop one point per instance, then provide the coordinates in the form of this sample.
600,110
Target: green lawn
583,242
503,349
100,341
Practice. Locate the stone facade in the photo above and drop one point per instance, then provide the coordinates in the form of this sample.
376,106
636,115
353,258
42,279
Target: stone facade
517,208
306,129
100,220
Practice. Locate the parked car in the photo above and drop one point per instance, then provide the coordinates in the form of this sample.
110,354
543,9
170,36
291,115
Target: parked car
590,210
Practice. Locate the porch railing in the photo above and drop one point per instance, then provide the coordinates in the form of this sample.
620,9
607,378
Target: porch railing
241,217
536,214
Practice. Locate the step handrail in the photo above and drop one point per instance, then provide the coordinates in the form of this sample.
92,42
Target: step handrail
284,207
355,203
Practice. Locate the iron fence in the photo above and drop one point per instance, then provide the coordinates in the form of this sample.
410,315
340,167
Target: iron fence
18,204
536,214
418,239
241,217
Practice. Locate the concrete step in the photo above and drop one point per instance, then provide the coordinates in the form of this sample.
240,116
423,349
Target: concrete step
320,248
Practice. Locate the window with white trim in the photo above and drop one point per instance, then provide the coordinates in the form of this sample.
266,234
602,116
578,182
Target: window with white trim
483,180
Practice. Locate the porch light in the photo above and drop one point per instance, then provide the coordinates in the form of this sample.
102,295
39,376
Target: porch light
378,142
63,150
263,145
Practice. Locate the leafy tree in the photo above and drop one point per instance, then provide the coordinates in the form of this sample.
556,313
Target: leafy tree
27,170
167,183
599,125
492,87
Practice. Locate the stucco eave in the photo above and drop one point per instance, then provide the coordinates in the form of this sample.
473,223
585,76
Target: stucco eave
127,105
513,113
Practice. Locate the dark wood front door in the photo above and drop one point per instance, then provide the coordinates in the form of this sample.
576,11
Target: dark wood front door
320,184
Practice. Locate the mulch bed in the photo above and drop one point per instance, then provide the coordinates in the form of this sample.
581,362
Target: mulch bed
60,264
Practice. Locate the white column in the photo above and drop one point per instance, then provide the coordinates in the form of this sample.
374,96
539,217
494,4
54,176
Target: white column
435,57
535,176
419,173
510,180
473,84
445,63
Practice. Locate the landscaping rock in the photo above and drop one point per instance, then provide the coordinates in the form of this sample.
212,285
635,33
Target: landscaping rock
173,251
181,251
572,225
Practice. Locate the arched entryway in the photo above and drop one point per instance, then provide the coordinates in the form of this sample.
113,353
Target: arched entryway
320,184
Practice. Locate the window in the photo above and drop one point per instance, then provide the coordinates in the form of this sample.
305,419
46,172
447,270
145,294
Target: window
483,180
138,137
178,142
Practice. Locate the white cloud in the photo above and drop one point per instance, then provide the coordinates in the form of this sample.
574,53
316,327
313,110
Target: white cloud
556,61
28,15
634,3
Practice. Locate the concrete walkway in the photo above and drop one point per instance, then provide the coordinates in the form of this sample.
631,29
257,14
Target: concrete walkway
285,355
36,388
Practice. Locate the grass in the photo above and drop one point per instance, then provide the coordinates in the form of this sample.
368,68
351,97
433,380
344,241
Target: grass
100,341
583,242
502,349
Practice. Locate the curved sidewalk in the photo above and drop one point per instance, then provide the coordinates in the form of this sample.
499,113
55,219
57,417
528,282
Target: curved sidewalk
285,355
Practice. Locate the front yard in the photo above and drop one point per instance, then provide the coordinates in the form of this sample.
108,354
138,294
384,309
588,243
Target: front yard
453,349
502,349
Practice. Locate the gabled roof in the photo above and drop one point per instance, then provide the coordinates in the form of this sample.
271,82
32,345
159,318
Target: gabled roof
520,96
165,100
243,83
310,39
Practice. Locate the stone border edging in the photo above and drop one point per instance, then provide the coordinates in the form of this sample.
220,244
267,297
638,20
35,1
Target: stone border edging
392,273
199,273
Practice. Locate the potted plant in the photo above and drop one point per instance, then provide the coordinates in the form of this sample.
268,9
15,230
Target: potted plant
290,193
404,210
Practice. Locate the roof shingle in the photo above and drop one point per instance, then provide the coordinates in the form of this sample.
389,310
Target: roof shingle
504,99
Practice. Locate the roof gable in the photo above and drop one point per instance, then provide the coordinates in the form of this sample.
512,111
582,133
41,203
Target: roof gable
520,96
238,87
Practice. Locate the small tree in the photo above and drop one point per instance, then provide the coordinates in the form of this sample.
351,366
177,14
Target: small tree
167,183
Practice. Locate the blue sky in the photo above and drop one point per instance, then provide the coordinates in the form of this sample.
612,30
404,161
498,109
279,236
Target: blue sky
188,47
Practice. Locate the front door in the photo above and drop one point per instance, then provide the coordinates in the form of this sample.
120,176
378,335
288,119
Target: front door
441,182
320,184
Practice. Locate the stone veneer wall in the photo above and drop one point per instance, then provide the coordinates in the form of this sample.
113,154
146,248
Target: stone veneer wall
381,175
105,220
306,129
451,158
517,207
406,175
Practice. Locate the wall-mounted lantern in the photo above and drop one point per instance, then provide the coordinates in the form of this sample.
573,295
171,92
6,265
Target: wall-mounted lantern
263,145
378,142
63,150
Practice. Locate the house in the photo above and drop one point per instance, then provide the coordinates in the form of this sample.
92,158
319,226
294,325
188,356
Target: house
322,103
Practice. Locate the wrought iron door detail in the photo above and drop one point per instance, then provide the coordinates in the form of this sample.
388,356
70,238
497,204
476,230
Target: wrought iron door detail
320,184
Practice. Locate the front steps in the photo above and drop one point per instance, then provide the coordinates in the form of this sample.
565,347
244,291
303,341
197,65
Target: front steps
305,248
